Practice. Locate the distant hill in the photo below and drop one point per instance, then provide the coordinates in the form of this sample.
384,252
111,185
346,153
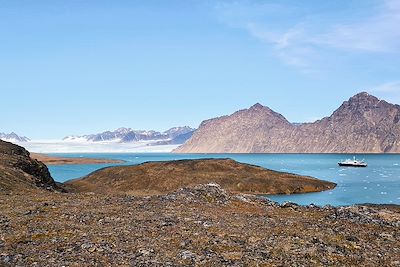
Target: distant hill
177,140
363,124
13,137
126,135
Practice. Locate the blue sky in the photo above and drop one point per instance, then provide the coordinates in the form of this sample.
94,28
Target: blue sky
75,67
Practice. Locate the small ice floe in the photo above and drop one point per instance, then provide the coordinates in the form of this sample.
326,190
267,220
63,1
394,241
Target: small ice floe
378,185
330,193
342,174
383,193
365,187
395,164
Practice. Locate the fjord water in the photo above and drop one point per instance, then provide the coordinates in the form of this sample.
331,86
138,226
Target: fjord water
378,183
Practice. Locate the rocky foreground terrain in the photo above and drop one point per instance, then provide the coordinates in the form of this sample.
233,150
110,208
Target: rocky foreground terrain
18,171
363,124
199,225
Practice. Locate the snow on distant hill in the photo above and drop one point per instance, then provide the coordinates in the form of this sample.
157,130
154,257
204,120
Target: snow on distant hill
13,138
128,135
118,141
57,146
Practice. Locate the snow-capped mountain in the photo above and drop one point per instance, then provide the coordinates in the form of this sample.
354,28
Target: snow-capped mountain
177,131
126,135
13,137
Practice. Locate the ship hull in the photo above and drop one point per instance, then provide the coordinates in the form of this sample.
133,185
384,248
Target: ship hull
352,165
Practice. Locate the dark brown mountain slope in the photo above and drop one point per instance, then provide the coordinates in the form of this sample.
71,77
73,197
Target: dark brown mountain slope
19,171
362,124
163,177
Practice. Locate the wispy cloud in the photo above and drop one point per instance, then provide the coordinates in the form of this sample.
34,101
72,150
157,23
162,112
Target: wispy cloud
390,87
238,13
301,44
379,33
389,91
291,46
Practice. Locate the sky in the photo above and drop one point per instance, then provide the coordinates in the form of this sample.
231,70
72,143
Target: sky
80,66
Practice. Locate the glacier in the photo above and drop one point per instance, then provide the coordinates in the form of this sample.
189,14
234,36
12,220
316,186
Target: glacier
84,146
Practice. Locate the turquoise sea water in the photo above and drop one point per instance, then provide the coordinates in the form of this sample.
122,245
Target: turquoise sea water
378,183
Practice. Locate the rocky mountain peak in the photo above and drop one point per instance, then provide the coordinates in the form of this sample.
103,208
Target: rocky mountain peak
363,98
361,103
264,113
124,130
13,137
175,131
256,106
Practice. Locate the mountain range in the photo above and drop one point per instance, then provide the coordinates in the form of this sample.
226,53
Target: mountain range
13,137
176,135
363,124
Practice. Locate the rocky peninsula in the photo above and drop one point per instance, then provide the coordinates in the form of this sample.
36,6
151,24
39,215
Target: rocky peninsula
155,178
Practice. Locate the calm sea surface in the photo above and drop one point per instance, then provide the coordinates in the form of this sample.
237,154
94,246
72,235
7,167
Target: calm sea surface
377,183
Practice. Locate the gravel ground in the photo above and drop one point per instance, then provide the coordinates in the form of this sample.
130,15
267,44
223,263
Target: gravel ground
197,226
200,225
